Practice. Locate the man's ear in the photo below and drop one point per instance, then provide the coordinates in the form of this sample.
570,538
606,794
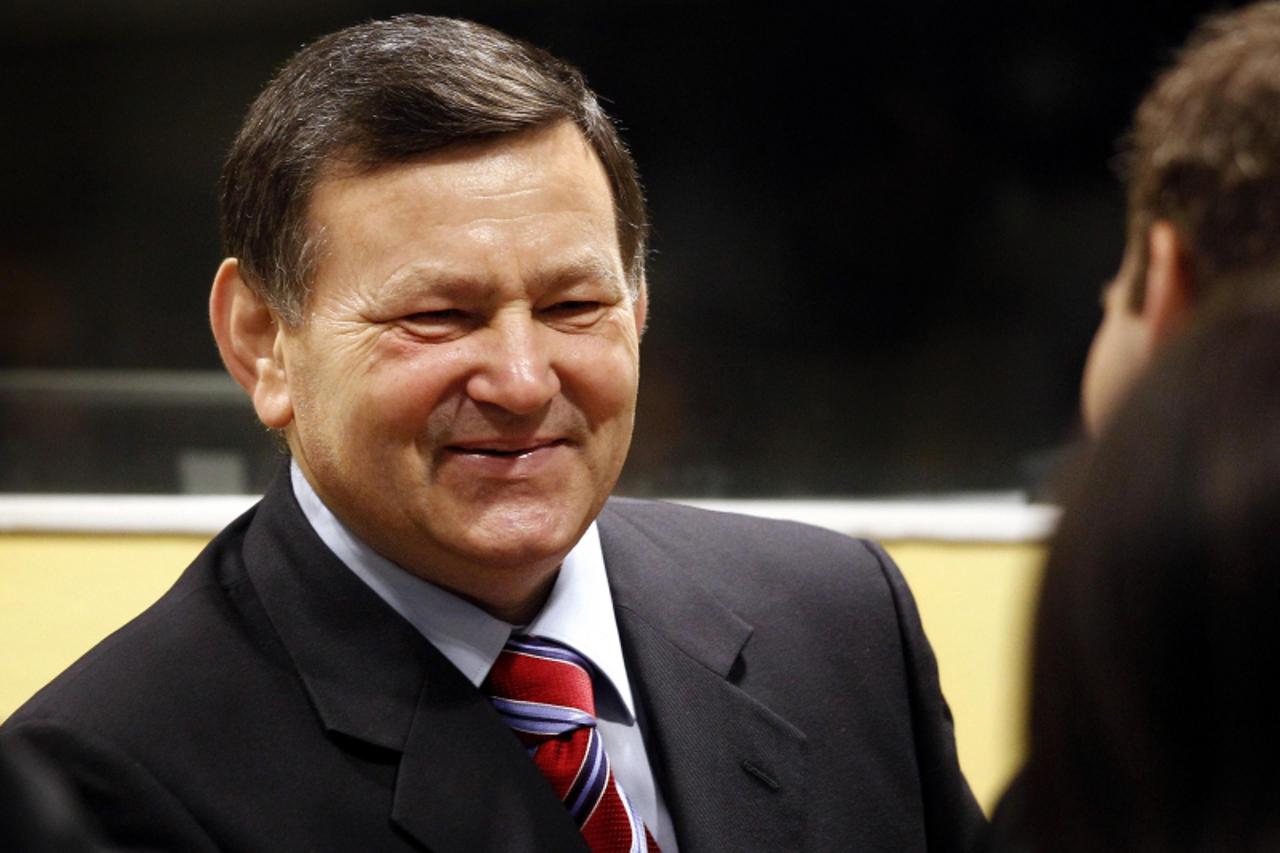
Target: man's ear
1168,303
250,341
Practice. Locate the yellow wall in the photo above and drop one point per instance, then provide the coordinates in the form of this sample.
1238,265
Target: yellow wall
976,602
60,594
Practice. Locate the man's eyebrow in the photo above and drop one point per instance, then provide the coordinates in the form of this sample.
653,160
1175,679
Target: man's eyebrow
439,279
442,280
587,266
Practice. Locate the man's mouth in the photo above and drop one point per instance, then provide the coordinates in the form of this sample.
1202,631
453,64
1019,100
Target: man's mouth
505,450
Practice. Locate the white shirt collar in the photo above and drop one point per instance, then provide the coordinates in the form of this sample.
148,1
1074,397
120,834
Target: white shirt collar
578,612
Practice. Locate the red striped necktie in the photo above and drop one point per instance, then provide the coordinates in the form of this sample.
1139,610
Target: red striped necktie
543,690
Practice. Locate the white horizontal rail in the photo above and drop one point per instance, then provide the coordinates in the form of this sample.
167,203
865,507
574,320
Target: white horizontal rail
961,520
193,514
124,387
954,520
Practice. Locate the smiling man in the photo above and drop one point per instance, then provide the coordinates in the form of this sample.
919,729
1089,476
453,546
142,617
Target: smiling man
461,389
437,631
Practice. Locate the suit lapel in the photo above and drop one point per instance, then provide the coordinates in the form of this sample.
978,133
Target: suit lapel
732,772
464,782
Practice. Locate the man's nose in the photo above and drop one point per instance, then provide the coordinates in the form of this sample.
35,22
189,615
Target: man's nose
515,371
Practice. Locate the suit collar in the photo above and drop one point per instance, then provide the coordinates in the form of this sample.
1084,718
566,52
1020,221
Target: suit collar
372,677
334,627
655,586
731,770
579,611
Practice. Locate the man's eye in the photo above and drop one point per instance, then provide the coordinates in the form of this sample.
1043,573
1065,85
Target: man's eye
432,324
444,315
575,308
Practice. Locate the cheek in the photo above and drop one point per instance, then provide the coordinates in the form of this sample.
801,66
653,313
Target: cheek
363,393
1093,366
1111,366
403,392
602,380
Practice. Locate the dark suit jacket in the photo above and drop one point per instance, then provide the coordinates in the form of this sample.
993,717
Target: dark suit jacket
270,701
1009,830
38,814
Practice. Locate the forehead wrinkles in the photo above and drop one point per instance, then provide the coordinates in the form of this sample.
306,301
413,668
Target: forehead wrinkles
439,277
494,192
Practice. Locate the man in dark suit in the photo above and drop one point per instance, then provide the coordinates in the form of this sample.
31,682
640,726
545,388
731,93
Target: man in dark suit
435,292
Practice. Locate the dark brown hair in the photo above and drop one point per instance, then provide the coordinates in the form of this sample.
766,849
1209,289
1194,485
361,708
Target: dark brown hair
1153,708
386,92
1204,152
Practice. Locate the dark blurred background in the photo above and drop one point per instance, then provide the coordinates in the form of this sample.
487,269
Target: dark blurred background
880,231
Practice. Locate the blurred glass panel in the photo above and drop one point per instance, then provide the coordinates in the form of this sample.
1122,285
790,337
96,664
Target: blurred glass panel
135,431
879,231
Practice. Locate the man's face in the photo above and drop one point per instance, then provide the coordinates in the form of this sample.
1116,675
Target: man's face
1119,352
464,382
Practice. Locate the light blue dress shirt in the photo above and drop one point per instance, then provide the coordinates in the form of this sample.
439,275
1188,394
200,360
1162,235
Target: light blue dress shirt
578,613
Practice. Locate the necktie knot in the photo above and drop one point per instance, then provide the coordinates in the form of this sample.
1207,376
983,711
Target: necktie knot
543,691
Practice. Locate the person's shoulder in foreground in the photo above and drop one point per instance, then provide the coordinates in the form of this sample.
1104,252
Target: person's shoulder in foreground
167,722
1201,169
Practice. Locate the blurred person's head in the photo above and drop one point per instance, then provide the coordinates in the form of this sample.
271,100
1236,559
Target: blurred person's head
1202,171
1153,716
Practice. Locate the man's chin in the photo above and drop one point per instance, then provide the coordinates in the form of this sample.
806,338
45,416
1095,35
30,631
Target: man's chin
510,571
521,547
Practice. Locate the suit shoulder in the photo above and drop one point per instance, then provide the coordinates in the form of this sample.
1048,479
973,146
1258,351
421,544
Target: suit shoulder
745,547
177,640
679,522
